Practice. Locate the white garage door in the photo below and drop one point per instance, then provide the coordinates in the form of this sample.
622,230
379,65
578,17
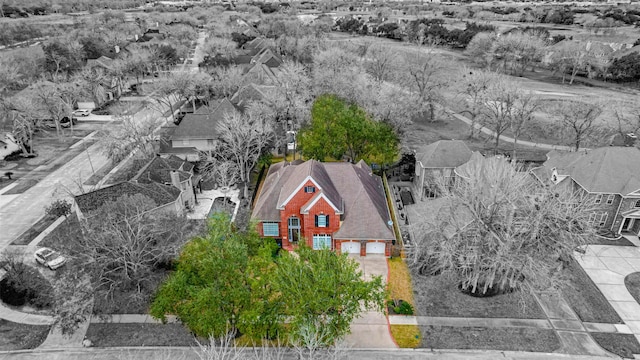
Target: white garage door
352,247
375,248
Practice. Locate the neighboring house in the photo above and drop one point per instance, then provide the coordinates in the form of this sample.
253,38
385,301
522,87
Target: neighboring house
171,170
166,197
340,206
608,176
267,57
260,74
111,84
436,163
8,145
251,92
255,46
198,131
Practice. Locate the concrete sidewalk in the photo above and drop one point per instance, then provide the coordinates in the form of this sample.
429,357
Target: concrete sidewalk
608,266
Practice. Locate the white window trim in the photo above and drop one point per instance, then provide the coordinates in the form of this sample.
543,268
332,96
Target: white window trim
324,220
324,238
603,219
637,204
610,199
271,223
598,199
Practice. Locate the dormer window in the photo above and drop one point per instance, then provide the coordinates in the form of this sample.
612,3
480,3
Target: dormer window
309,189
637,204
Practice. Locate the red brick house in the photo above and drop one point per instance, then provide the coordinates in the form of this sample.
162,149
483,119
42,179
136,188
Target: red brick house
341,206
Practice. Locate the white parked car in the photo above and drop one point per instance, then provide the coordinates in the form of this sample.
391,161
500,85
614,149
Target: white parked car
49,258
82,112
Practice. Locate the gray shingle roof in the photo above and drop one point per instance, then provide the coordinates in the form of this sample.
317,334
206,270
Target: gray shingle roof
159,170
613,169
159,193
202,123
357,192
444,154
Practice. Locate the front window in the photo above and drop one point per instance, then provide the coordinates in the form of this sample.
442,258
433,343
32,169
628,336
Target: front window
321,241
270,229
322,220
603,219
610,199
598,199
294,230
309,189
637,204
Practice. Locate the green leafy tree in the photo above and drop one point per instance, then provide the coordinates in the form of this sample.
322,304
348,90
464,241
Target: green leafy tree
338,129
323,288
209,290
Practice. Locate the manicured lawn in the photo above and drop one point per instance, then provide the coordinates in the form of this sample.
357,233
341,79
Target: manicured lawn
108,335
26,237
439,296
399,282
406,336
632,282
514,339
20,336
100,173
624,345
585,298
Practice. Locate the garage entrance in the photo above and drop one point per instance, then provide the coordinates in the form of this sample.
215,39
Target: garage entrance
352,247
375,248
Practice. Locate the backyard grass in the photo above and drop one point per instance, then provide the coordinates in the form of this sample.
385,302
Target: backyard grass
26,237
439,296
624,345
632,282
15,336
511,339
399,282
406,336
134,334
585,298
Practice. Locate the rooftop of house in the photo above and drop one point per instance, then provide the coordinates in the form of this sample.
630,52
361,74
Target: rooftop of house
159,170
443,154
161,194
203,122
102,61
250,92
352,188
266,56
611,169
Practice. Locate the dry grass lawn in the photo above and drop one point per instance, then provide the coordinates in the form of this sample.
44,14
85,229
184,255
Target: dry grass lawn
406,336
399,282
15,336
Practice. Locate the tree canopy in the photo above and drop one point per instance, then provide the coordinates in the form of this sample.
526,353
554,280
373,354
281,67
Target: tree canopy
498,227
337,129
232,280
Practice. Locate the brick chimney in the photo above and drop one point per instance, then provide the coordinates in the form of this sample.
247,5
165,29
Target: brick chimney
175,179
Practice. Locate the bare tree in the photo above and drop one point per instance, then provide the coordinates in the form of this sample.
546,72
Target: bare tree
226,81
50,99
569,56
124,240
498,105
472,85
163,92
243,138
522,115
497,227
20,112
421,77
380,62
577,119
518,50
133,134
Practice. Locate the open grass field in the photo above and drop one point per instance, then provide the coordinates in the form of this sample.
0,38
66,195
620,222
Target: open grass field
547,87
15,336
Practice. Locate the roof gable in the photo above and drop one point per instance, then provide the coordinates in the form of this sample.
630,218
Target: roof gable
444,154
612,169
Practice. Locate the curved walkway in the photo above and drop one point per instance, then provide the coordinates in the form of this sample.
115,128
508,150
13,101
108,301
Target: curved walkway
19,317
608,266
492,133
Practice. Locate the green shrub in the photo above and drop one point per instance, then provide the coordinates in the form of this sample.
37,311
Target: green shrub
405,308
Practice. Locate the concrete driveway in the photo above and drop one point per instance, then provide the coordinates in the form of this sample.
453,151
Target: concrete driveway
371,330
608,266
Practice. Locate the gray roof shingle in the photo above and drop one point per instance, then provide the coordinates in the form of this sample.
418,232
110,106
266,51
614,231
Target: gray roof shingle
202,123
159,193
612,169
444,154
352,188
